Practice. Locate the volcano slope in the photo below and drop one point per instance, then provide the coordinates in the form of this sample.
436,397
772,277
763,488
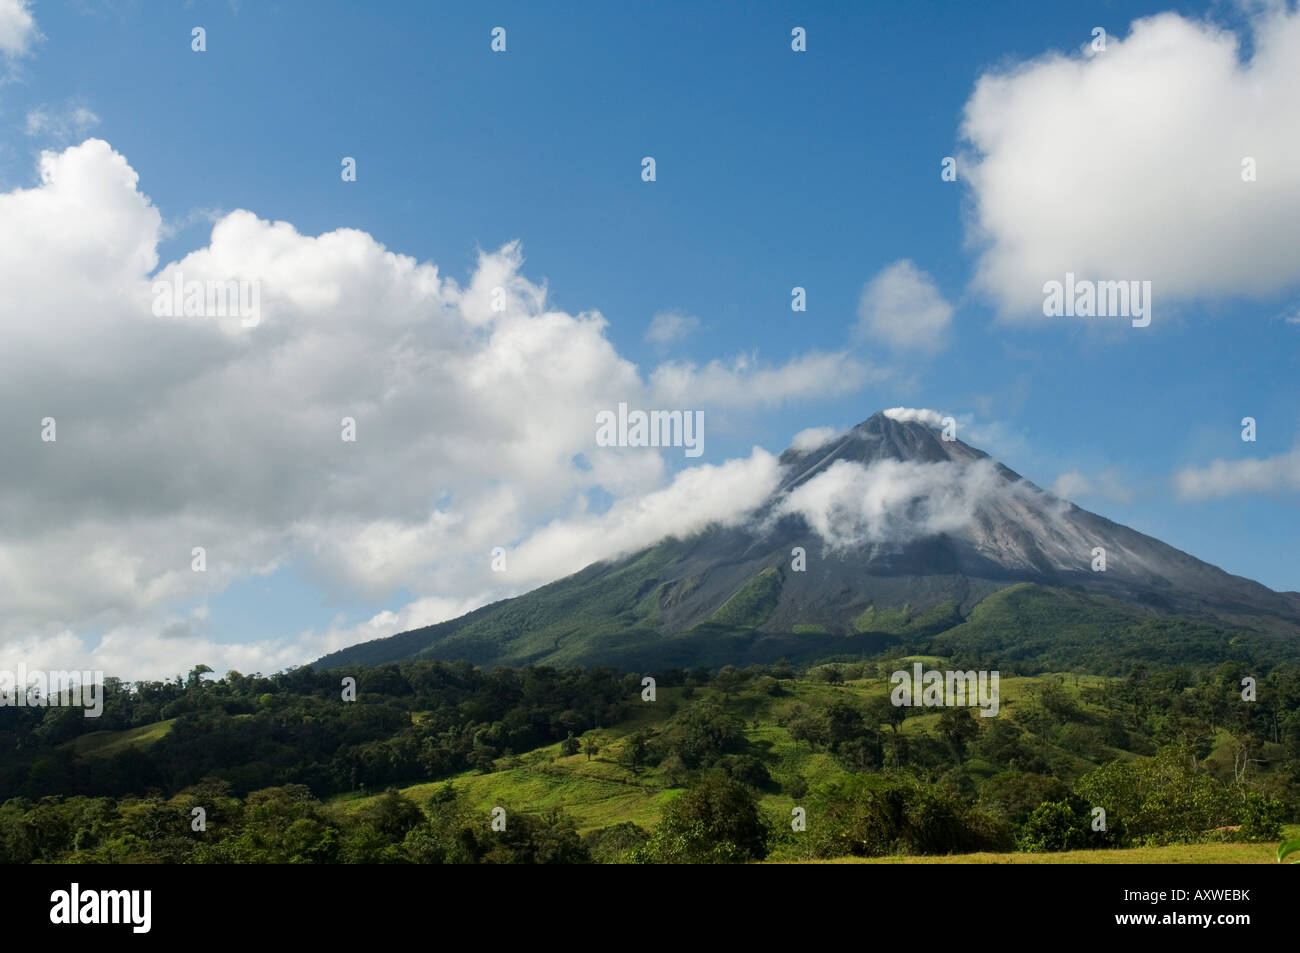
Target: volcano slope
886,535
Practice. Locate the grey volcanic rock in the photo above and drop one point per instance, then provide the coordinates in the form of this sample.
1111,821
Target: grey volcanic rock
1017,533
1024,533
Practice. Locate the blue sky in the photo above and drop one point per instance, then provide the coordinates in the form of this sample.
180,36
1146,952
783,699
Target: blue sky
774,169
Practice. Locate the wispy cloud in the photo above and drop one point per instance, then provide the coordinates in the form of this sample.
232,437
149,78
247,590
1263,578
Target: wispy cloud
60,125
1221,478
1108,485
746,381
894,501
813,437
668,326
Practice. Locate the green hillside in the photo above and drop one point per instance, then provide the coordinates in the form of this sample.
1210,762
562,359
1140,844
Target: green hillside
790,765
902,620
107,743
752,604
1036,628
728,765
613,615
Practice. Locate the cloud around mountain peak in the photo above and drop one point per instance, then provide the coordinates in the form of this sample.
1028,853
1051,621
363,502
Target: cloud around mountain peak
921,415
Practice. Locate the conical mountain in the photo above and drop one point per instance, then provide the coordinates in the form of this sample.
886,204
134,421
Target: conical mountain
891,531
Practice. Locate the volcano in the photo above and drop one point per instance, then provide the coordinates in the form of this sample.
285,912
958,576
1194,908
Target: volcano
888,534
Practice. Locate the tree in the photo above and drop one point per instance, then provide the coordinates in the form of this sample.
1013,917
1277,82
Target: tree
589,746
1261,818
810,729
1243,747
861,754
843,723
999,742
746,769
1053,826
882,711
958,727
637,749
674,769
715,822
482,758
614,844
1163,799
870,816
570,746
729,679
529,839
392,815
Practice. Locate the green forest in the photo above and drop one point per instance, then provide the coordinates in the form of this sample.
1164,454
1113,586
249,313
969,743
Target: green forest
436,762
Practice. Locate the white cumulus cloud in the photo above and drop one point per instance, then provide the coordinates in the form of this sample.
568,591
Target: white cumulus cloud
1127,164
903,308
17,27
475,428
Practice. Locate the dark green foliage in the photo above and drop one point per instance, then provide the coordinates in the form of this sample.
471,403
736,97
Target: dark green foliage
454,834
843,723
881,711
715,822
1261,818
392,816
1032,628
752,603
282,825
637,751
1164,799
1015,794
1172,753
614,844
957,727
294,728
748,770
1056,826
701,732
868,816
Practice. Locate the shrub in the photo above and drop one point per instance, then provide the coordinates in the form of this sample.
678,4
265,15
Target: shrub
1053,826
717,821
1261,818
